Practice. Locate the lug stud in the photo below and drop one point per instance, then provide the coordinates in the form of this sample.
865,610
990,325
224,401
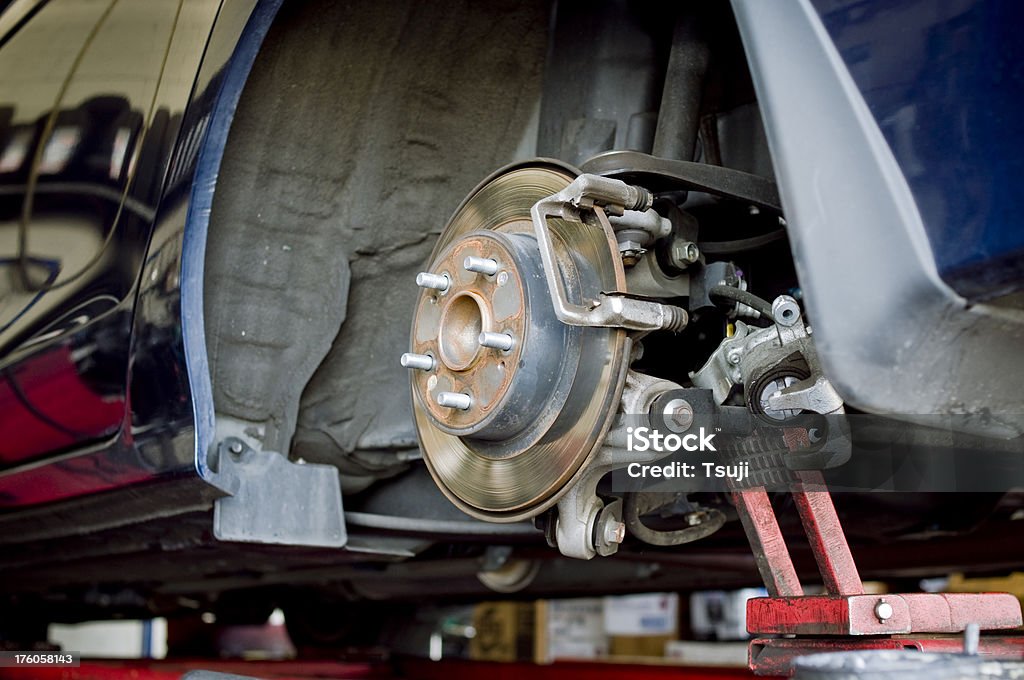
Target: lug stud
455,400
421,362
502,341
436,281
480,265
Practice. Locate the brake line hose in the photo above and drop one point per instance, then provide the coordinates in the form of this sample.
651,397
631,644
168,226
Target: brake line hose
742,296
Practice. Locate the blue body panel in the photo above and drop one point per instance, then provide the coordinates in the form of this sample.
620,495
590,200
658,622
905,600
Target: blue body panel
945,81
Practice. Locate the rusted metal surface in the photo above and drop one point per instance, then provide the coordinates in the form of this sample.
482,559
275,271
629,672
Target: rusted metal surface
1009,647
859,614
765,538
771,656
447,326
951,612
517,426
826,536
852,619
826,615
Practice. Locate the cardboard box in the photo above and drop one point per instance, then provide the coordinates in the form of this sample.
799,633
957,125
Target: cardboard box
689,653
504,631
641,625
570,629
639,646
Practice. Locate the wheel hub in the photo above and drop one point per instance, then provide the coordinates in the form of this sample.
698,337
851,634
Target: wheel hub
488,332
509,401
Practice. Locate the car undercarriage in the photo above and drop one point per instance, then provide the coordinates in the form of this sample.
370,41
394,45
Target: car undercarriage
457,254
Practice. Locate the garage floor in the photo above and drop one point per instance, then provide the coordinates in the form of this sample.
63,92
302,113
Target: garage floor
406,669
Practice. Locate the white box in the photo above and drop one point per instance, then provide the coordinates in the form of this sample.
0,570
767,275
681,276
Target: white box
571,629
721,614
641,615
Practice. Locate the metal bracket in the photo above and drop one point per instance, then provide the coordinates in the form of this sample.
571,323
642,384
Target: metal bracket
816,395
612,310
276,501
586,527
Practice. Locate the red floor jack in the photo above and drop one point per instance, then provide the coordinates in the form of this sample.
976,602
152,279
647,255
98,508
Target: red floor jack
845,618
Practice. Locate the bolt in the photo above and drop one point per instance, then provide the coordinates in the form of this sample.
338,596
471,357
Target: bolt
734,357
422,362
614,532
678,415
683,253
502,341
439,282
883,610
455,400
502,278
480,265
235,447
785,310
631,252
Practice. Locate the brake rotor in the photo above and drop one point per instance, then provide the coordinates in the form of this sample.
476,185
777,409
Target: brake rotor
509,402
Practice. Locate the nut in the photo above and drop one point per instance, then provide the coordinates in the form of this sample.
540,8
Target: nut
615,532
785,310
678,415
683,253
631,252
